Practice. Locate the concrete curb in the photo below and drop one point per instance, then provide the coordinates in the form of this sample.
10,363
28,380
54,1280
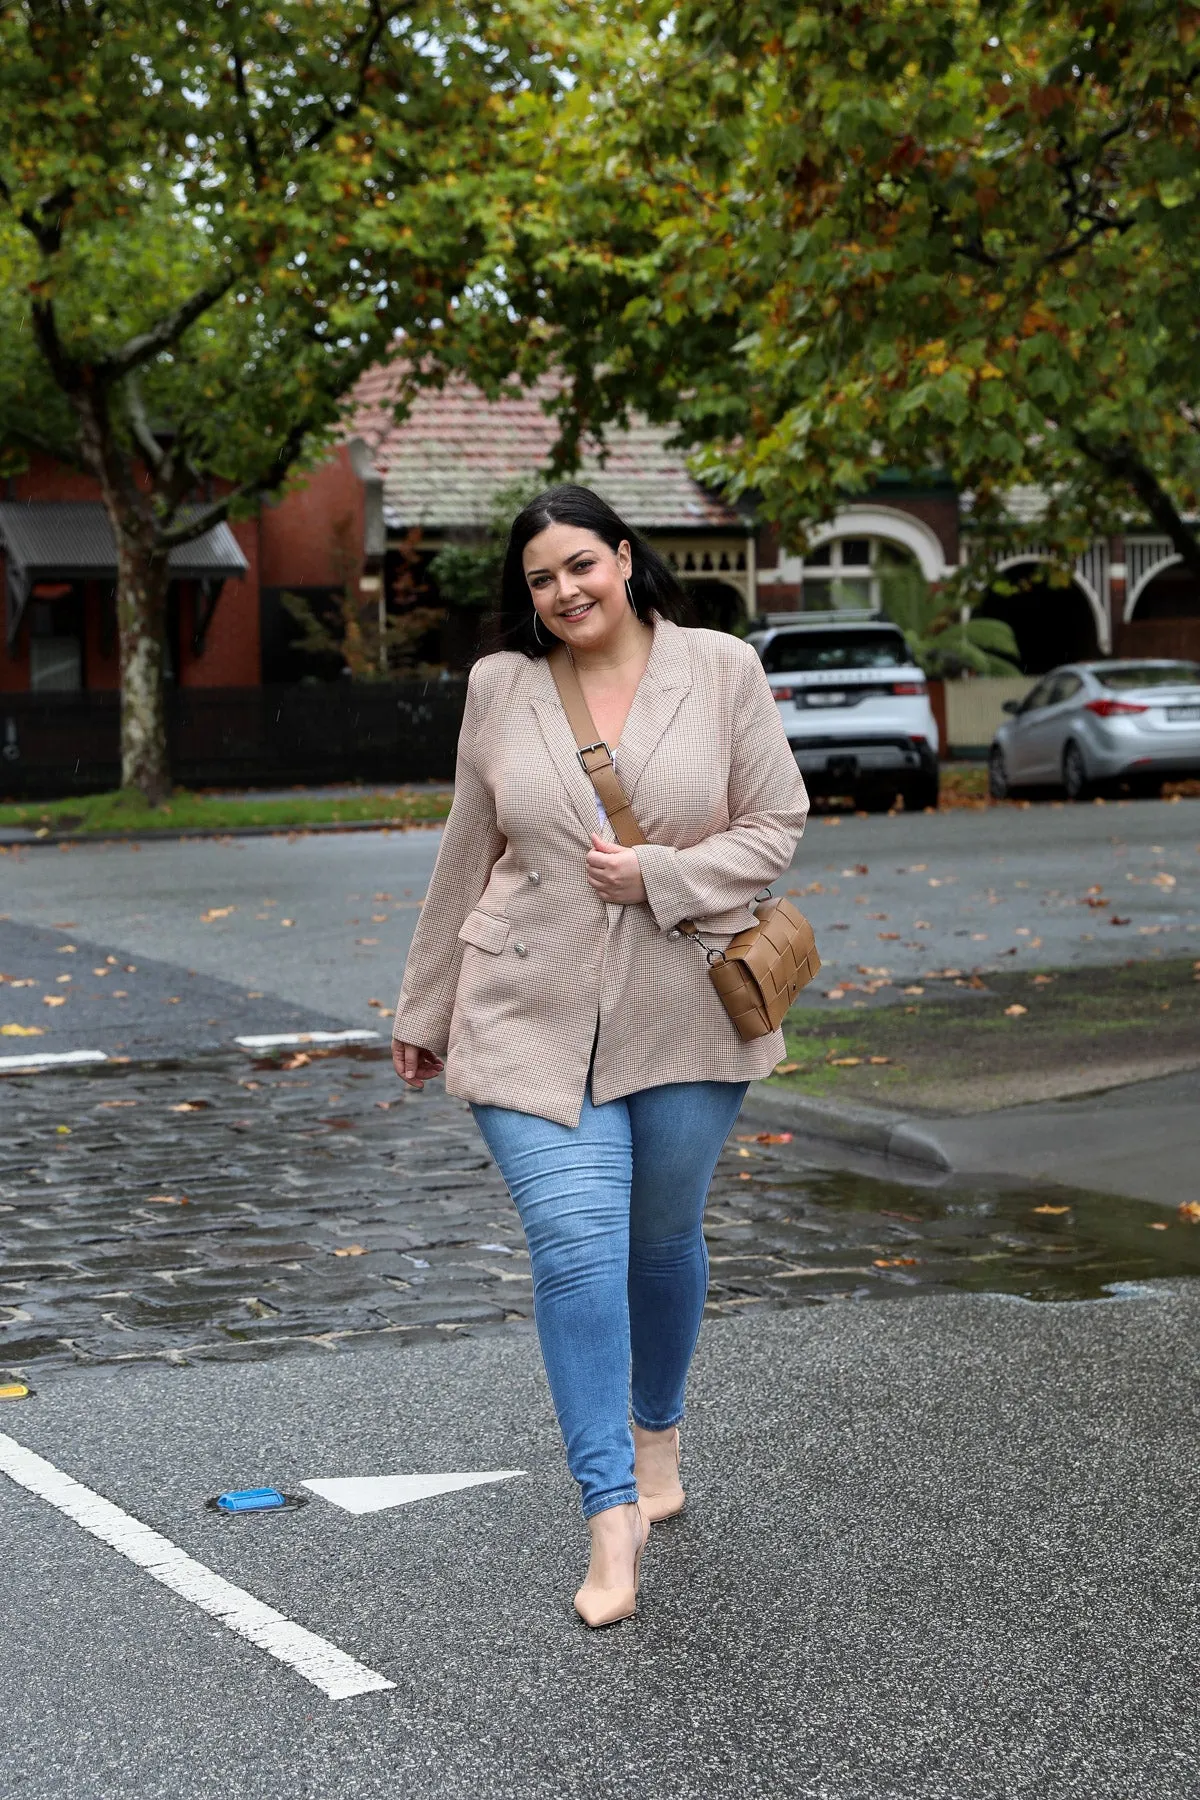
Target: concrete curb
867,1128
10,840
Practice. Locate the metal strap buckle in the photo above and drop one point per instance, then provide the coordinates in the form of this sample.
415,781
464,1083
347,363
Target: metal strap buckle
587,750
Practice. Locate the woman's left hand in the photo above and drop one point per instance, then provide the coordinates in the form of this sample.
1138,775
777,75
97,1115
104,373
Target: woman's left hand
614,873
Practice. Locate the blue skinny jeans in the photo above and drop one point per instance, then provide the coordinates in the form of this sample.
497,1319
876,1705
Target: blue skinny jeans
612,1215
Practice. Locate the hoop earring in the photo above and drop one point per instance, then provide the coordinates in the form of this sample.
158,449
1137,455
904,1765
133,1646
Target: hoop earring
536,638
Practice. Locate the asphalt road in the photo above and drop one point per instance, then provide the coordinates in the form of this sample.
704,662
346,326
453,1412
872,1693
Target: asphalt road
934,1551
323,923
937,1550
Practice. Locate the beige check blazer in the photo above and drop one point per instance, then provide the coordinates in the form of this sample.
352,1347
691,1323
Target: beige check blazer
516,960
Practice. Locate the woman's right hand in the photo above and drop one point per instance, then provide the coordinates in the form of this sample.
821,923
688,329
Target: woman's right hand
414,1065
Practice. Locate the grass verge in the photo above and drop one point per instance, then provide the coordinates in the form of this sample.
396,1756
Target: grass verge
1021,1037
91,814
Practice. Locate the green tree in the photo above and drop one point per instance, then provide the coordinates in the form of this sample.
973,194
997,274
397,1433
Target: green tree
213,218
832,238
467,569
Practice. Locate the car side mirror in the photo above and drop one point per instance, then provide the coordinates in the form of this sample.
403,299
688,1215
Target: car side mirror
1011,706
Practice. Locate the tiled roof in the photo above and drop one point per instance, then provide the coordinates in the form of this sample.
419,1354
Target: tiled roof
443,464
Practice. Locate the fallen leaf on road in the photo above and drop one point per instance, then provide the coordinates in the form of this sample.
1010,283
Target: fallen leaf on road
879,1061
379,918
63,1130
1190,1210
887,935
835,993
866,969
338,1124
216,912
1015,1012
54,999
743,1153
191,1106
287,921
914,990
300,1060
1051,1209
773,1137
922,925
358,940
24,981
844,1062
935,881
1157,1225
351,1250
103,1104
22,1031
66,950
166,1200
101,971
1115,921
896,1262
786,1068
1163,880
62,978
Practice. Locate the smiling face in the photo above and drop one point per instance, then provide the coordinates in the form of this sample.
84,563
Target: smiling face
577,585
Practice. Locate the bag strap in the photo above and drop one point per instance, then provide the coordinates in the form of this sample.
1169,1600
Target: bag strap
596,760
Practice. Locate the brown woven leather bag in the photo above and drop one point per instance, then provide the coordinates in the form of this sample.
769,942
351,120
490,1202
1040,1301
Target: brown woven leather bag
761,970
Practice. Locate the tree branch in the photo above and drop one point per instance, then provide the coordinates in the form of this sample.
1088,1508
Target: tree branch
217,510
147,344
253,156
1122,462
135,411
383,17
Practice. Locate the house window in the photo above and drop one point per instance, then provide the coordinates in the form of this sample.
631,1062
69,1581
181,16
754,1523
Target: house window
55,640
847,574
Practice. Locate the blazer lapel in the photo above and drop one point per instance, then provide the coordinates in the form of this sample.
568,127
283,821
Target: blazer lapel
666,681
663,687
560,743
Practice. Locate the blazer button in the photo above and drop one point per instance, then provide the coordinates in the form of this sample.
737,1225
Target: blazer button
534,877
521,949
674,933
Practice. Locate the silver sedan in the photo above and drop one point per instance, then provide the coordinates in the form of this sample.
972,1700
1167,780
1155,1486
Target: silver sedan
1089,726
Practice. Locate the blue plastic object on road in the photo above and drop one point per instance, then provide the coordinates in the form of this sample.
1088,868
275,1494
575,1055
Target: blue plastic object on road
240,1500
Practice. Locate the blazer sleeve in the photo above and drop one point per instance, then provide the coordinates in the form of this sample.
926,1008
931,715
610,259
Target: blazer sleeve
471,846
768,805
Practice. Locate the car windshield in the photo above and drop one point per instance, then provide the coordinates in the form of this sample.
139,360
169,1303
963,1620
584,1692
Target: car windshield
800,651
1148,675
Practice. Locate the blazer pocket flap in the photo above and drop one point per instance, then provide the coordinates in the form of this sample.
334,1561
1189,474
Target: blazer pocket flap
487,931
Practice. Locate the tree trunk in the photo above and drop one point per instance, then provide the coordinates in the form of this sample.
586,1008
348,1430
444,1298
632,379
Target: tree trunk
141,622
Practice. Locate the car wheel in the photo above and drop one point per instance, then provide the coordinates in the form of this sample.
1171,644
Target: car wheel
1074,773
998,783
918,795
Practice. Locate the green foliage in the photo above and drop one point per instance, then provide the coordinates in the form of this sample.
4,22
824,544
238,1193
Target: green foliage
940,640
467,571
829,240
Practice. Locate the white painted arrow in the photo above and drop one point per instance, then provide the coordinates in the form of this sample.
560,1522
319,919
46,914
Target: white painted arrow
375,1493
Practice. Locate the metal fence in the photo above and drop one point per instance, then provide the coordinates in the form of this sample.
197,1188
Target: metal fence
390,732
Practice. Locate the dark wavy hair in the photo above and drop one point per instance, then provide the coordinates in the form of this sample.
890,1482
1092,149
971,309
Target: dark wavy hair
652,583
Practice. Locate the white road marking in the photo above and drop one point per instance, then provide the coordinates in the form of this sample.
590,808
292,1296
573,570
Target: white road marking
375,1493
318,1661
47,1058
282,1039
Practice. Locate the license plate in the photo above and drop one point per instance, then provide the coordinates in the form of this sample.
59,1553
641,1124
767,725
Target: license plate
1183,712
830,697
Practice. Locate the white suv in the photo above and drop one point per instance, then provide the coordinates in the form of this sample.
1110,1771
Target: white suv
856,710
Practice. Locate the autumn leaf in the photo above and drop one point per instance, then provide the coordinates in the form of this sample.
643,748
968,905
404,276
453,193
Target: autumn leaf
879,1061
22,1031
54,999
216,912
896,1262
351,1250
1190,1210
773,1137
1051,1209
844,1062
786,1068
1115,921
1015,1011
191,1106
166,1200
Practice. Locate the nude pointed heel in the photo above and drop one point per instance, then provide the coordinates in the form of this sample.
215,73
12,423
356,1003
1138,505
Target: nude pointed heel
599,1606
660,1498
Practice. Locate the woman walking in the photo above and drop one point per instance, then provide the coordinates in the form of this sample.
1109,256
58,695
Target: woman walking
549,972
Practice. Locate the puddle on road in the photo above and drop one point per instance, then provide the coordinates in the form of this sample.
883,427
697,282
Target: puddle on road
819,1236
